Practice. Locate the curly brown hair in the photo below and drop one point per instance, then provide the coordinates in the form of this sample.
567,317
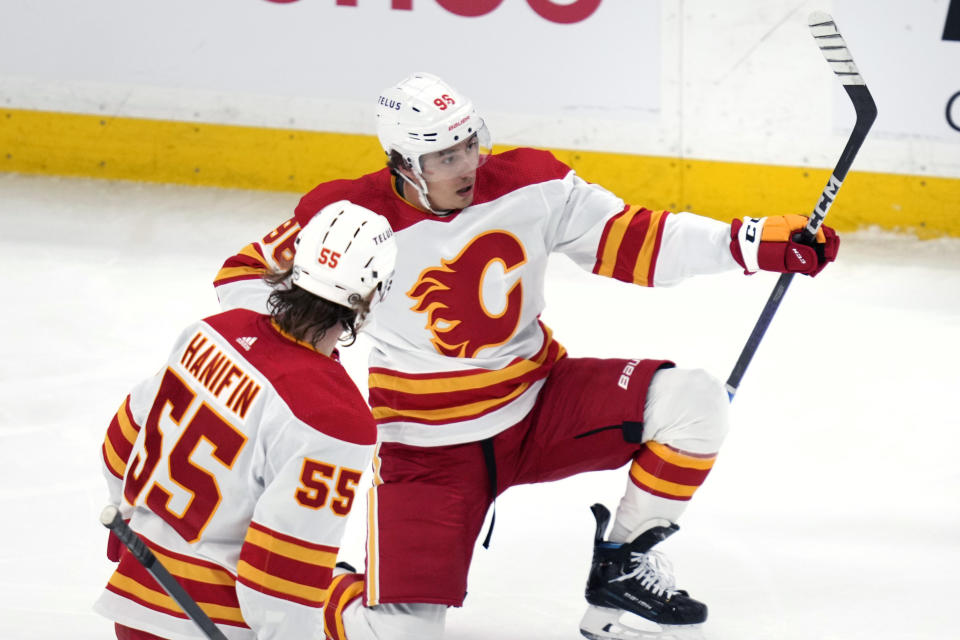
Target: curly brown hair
306,316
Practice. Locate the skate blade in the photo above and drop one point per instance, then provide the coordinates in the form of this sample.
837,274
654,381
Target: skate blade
602,623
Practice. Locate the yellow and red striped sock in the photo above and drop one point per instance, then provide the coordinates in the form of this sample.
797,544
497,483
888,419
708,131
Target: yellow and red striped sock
670,473
344,589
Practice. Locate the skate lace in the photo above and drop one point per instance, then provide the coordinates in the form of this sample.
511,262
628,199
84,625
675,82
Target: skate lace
653,571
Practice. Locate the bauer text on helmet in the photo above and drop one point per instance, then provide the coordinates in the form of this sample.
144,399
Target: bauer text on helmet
346,254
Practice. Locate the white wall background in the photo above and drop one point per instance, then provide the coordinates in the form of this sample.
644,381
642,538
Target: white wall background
735,80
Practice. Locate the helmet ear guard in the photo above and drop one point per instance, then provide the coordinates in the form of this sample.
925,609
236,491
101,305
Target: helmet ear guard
346,254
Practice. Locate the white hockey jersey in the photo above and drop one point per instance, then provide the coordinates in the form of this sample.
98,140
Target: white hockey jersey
459,351
238,464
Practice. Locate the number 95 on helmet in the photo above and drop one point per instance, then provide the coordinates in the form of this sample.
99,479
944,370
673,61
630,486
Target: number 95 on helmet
346,254
422,116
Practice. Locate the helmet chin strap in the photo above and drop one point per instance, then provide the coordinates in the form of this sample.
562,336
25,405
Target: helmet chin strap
420,186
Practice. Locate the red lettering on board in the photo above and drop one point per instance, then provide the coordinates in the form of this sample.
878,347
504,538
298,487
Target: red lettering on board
551,10
564,13
469,8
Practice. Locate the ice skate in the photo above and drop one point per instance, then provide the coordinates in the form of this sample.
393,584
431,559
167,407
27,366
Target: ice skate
631,591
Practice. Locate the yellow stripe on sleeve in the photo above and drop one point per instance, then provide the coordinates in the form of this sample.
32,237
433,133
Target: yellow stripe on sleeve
233,272
117,464
642,267
126,427
290,549
346,597
251,252
279,585
614,240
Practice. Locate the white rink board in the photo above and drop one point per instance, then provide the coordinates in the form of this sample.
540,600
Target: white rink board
240,61
913,72
738,81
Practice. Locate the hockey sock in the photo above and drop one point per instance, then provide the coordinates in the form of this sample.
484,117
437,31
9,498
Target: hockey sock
344,589
662,481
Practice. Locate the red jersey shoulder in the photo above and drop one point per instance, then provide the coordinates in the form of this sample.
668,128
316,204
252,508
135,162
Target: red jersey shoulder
375,191
327,192
316,388
515,169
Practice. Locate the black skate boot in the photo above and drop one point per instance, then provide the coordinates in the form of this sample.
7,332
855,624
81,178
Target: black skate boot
628,578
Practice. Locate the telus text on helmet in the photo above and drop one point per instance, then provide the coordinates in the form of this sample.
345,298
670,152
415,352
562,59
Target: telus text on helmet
552,10
391,104
383,237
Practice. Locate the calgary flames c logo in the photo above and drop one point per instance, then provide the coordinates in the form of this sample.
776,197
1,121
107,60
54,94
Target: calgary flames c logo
452,296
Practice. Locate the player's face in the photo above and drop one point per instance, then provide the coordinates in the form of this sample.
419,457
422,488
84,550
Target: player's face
451,173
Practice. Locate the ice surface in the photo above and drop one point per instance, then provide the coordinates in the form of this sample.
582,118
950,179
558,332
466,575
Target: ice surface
833,510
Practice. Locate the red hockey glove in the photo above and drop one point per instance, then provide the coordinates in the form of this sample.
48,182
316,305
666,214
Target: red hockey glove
114,547
771,244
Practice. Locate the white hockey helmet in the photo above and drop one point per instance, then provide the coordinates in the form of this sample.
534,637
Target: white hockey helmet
422,114
346,254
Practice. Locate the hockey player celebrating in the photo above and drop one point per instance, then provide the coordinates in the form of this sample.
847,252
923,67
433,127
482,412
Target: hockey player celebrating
472,393
238,461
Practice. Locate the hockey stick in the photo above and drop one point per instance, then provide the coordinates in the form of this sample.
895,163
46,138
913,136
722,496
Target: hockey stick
110,518
834,49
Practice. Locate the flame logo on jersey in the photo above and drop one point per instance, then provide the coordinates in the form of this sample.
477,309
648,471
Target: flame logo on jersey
452,296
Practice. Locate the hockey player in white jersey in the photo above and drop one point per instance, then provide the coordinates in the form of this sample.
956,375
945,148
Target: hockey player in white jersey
238,462
472,393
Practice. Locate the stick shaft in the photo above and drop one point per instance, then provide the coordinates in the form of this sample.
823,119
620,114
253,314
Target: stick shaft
834,49
110,518
759,329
